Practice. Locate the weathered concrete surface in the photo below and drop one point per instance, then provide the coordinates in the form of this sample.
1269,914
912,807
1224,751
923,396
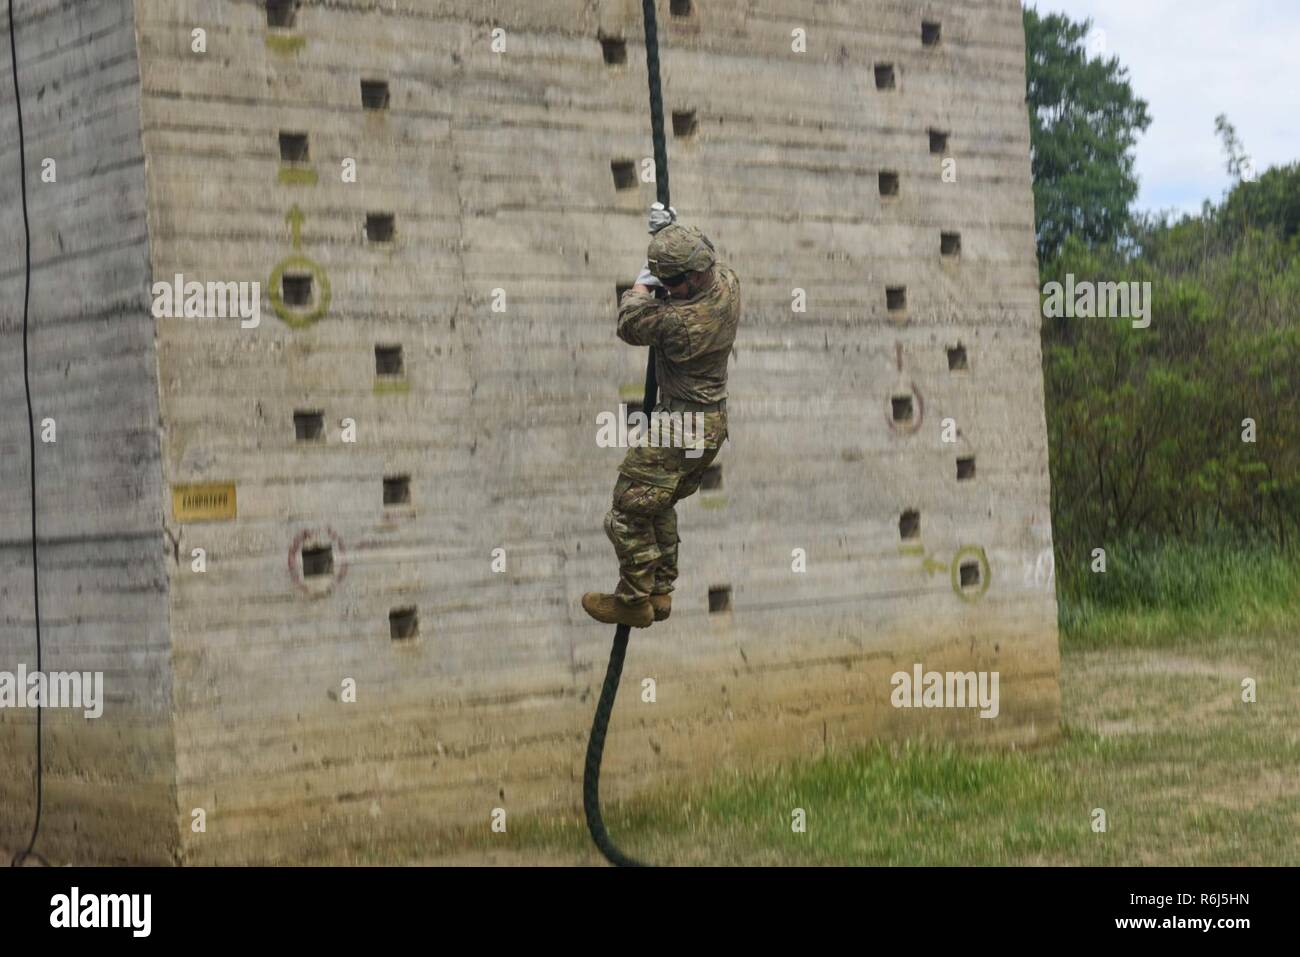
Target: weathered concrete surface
109,782
497,168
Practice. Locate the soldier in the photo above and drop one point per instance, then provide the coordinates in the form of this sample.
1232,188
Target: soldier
692,331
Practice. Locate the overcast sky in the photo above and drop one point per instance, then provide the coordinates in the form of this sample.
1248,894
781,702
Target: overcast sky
1191,60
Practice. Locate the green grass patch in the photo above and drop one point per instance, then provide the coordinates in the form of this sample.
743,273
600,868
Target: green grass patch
1171,593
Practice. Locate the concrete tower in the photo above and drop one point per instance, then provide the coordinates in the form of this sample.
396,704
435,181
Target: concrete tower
329,564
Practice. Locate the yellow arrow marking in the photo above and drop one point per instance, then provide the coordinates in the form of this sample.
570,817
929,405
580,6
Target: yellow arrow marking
294,219
932,565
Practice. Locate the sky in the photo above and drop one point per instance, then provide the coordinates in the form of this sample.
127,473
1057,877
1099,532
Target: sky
1192,60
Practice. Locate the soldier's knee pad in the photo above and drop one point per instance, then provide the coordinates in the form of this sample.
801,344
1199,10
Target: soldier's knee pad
641,498
622,526
632,536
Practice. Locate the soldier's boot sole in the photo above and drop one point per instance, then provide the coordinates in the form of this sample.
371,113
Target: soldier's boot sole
609,610
663,606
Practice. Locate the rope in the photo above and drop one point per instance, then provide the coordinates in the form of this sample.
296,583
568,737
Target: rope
596,749
656,100
614,673
31,436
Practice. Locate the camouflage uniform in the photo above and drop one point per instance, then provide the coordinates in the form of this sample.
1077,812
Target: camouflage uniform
692,339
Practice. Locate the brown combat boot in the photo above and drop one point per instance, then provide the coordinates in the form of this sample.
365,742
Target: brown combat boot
612,611
663,605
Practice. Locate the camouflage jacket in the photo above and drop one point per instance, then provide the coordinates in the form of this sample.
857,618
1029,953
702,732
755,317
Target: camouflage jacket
692,337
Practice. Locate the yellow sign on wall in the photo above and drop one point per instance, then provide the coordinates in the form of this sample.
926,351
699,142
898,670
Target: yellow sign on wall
211,502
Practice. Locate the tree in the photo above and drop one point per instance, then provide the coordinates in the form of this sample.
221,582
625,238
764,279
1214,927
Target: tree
1239,165
1084,122
1271,200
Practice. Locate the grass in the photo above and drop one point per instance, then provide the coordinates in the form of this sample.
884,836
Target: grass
1154,733
1152,595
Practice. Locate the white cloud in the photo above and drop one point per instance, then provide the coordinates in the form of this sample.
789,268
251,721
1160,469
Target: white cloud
1191,60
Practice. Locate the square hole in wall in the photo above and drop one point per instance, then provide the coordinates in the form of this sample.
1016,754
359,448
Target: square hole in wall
938,141
380,227
965,468
293,147
374,94
397,489
950,245
281,13
902,408
317,560
681,8
719,599
888,183
295,288
896,298
969,574
683,122
711,478
308,426
624,173
909,524
389,360
403,623
613,49
957,358
931,32
886,76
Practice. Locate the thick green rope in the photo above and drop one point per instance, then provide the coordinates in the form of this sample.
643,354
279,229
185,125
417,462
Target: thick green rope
613,674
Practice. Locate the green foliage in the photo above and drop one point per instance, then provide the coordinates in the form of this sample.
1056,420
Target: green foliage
1163,594
1272,201
1146,425
1084,121
1238,161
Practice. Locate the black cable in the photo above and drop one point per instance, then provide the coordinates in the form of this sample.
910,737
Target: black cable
31,432
614,673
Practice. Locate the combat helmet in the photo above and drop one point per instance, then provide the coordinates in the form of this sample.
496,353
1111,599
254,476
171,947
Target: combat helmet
676,249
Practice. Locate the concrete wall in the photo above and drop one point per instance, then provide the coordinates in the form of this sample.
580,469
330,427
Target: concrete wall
497,168
109,781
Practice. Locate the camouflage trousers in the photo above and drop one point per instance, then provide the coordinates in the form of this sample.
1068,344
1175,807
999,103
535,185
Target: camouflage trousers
642,523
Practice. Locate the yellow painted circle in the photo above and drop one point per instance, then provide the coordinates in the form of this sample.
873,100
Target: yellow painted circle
973,594
298,318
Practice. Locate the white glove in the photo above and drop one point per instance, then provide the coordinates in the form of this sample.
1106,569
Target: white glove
647,278
661,216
